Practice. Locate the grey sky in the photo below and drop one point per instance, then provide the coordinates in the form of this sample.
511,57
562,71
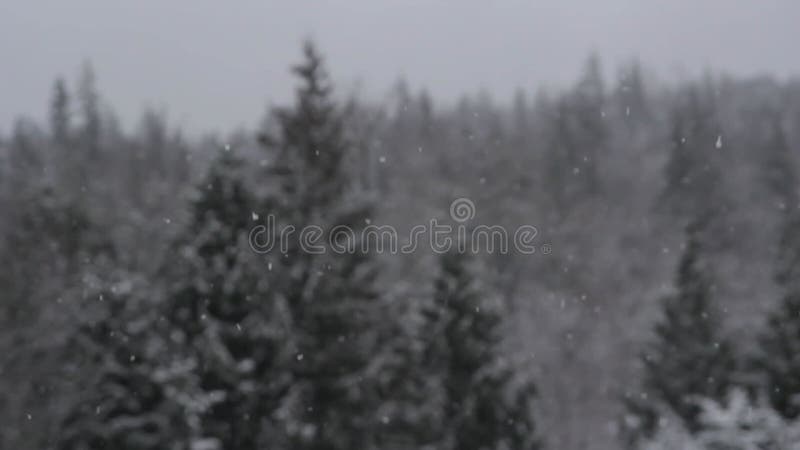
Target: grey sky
215,65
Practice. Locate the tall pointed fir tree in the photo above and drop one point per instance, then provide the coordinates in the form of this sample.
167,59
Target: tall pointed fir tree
577,136
89,107
631,96
124,403
778,360
25,159
563,188
690,358
592,132
779,356
411,400
778,172
195,365
224,326
52,243
485,407
60,114
329,289
692,174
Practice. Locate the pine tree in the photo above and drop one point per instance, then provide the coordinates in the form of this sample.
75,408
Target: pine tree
485,406
779,358
124,404
51,242
411,407
561,169
778,171
693,178
25,156
194,366
632,96
60,113
690,357
89,107
578,136
592,131
521,115
154,131
330,296
222,316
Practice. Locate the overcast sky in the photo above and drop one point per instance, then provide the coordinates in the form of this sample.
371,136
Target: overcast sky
215,65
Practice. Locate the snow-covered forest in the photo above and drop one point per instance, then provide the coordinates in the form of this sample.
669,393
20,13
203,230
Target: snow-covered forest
664,313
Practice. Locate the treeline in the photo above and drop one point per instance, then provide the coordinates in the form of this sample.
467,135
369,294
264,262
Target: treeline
136,315
217,346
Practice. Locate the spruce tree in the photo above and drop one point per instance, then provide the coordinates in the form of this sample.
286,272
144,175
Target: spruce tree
563,154
411,408
52,243
89,107
330,295
25,157
778,172
690,358
222,318
195,365
591,128
485,405
779,358
124,404
693,178
577,138
631,94
60,113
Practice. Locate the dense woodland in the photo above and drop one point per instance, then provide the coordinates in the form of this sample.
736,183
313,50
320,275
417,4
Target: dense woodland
135,315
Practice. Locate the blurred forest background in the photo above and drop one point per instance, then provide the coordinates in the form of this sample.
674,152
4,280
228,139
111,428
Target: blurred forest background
134,315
